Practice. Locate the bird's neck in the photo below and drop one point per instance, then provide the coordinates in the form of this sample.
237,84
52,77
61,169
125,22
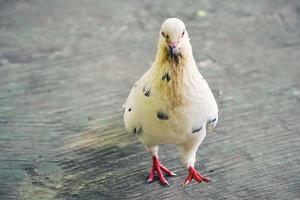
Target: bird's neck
174,69
180,60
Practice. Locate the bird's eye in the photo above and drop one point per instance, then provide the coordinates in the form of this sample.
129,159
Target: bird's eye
182,34
164,35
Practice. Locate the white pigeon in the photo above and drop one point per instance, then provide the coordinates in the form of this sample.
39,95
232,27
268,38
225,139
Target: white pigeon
172,103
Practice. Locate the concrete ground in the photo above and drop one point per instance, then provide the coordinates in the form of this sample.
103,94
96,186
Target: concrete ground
66,68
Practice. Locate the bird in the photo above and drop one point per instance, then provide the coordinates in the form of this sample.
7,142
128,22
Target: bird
172,103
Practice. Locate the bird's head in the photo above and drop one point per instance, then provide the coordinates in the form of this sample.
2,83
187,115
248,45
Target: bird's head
173,36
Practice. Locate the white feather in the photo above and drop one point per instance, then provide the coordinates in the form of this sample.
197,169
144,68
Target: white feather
198,110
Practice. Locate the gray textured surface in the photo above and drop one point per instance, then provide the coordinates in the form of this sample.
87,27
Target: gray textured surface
66,68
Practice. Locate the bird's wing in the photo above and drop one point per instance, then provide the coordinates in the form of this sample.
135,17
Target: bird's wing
213,113
209,105
130,114
135,103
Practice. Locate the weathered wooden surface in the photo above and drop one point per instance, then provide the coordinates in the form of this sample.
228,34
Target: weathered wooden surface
66,68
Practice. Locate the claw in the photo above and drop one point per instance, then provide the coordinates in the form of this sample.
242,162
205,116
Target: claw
193,174
151,176
167,171
159,169
188,179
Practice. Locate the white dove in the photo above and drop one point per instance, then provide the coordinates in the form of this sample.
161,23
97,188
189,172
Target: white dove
172,103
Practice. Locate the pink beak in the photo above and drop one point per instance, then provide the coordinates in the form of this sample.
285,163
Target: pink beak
172,45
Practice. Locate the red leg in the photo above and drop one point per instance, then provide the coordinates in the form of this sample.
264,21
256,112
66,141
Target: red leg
193,174
159,169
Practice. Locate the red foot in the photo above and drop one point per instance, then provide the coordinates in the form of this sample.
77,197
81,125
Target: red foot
193,174
159,168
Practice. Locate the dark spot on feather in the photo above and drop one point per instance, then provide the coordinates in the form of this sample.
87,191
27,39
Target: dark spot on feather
140,131
135,85
137,131
195,130
162,116
129,110
166,77
175,59
146,91
210,121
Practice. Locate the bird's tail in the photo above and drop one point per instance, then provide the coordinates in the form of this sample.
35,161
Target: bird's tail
211,124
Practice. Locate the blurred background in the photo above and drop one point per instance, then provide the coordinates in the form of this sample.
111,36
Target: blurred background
66,68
